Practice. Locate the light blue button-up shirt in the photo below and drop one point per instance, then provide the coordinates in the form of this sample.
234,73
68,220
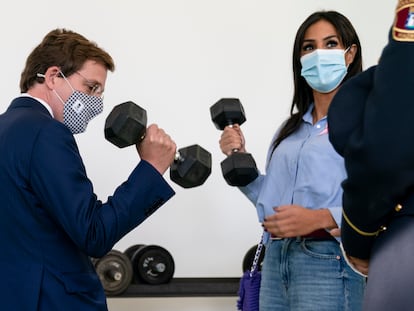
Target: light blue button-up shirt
304,170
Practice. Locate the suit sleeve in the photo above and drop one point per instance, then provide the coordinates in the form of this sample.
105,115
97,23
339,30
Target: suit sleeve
376,148
346,111
59,179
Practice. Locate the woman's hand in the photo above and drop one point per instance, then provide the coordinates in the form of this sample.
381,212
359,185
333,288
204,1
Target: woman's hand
232,139
294,220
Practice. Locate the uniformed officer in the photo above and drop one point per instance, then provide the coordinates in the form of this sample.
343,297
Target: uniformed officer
371,124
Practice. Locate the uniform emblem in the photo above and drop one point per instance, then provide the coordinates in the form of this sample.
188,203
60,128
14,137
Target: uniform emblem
403,29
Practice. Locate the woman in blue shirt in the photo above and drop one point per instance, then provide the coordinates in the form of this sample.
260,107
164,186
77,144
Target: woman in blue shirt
299,198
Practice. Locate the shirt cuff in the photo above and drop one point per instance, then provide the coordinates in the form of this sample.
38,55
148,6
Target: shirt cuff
336,213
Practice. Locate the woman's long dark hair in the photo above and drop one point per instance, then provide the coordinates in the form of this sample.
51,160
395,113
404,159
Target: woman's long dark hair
303,96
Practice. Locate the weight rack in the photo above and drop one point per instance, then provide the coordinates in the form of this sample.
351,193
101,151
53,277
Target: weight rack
147,271
185,287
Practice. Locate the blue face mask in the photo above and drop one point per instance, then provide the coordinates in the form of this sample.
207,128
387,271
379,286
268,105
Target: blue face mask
324,69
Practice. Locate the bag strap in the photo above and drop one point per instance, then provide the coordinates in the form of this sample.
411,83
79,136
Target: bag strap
256,256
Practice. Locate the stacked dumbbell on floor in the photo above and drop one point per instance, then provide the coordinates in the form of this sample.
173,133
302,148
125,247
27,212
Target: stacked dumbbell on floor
144,264
139,264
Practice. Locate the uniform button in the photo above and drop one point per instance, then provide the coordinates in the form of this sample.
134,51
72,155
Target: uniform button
398,207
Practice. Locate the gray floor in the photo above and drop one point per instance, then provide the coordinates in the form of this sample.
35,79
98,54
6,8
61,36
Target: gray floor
173,304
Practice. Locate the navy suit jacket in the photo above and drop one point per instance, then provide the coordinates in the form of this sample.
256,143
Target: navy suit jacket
371,125
51,222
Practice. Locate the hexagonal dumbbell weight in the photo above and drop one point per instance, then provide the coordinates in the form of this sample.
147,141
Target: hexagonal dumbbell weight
152,264
239,169
192,166
126,125
115,272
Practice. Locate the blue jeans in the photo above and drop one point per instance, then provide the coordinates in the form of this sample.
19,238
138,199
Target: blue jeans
303,275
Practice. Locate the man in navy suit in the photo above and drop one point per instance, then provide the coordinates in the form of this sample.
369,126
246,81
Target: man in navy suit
51,222
371,125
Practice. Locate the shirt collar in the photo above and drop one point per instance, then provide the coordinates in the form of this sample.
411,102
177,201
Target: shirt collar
307,117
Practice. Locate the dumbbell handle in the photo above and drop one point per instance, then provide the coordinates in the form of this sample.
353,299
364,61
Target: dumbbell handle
230,124
114,274
178,157
159,267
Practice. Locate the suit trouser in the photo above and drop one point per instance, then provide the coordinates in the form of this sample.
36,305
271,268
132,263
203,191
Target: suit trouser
390,283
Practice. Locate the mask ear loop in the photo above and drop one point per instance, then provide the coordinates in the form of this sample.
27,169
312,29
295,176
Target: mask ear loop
41,75
63,76
346,51
70,85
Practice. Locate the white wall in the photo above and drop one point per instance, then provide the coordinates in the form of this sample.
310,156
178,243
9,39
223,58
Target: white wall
176,58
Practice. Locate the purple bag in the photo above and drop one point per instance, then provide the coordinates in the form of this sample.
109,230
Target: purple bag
249,289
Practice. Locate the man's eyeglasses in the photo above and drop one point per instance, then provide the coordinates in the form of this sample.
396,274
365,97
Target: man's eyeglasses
94,88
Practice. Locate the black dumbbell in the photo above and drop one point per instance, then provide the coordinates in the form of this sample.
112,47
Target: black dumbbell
239,169
126,125
115,272
151,264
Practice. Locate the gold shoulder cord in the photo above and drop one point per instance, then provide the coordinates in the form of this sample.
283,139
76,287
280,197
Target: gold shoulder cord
382,228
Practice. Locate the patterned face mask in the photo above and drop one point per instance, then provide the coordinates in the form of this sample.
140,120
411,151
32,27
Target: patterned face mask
79,109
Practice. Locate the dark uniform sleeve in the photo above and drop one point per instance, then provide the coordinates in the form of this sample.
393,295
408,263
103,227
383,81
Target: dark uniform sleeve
371,125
